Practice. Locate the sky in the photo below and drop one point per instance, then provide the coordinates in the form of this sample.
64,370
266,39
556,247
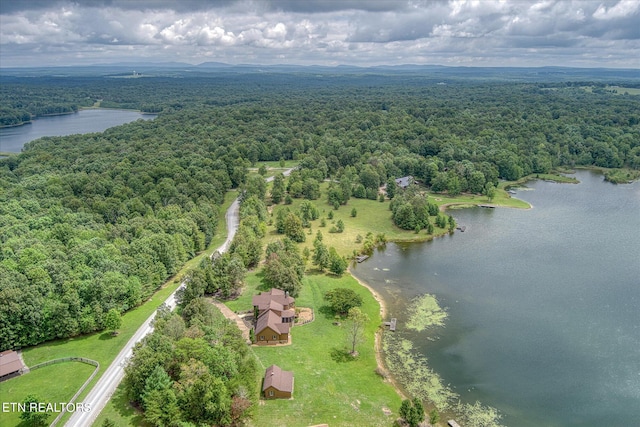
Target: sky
576,33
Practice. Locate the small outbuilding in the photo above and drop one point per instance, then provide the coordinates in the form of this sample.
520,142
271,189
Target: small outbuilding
10,365
278,384
404,182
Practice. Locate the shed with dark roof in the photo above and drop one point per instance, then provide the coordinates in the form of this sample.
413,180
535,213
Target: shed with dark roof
278,384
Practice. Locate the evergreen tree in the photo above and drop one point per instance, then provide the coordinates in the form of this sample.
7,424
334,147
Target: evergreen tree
277,190
337,264
113,320
293,228
392,188
320,255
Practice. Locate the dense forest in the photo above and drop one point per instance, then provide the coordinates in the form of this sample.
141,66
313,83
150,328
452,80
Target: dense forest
89,223
194,369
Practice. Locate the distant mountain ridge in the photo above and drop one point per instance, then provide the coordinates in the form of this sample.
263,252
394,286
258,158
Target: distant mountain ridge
182,69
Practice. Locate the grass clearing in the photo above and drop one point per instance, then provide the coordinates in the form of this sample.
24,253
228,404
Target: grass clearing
100,346
121,412
374,216
329,385
276,164
620,90
273,168
53,383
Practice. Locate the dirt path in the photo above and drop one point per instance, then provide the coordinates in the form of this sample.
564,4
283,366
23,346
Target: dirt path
226,312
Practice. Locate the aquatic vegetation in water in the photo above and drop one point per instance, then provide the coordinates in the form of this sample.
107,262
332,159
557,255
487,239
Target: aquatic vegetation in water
425,312
478,415
412,371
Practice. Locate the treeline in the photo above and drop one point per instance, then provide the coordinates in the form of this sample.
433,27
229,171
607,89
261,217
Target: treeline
94,222
40,97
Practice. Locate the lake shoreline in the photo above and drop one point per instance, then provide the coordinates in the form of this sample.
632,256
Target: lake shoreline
511,409
382,366
13,138
34,118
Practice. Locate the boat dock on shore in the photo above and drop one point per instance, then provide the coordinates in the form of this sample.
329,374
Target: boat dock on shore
392,324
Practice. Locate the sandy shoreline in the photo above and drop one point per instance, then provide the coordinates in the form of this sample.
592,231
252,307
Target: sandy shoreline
382,367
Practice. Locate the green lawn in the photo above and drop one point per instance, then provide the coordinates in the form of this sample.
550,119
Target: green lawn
120,411
100,346
624,90
276,164
329,386
273,168
375,216
53,383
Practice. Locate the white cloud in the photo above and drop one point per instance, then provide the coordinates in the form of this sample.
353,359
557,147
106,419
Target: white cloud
277,32
481,32
623,9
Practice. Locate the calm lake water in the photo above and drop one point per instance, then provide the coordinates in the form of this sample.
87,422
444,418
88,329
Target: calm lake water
544,304
85,121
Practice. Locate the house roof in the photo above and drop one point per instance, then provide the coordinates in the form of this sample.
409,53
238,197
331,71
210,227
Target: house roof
10,362
270,319
278,379
288,313
274,298
404,181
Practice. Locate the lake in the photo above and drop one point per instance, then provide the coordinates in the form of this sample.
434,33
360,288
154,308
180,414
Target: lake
543,304
84,121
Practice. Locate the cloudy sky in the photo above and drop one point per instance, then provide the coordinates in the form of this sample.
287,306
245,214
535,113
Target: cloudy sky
581,33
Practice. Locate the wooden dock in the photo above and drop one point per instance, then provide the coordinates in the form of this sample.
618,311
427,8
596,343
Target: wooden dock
361,258
487,206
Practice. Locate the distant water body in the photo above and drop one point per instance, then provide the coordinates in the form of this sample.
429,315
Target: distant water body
84,121
544,304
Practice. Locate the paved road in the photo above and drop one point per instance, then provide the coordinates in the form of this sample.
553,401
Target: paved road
107,384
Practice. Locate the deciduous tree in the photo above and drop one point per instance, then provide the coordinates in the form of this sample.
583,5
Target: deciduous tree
341,300
357,321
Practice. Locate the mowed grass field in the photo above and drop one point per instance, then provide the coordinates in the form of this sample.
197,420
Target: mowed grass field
330,386
624,90
374,216
57,382
101,346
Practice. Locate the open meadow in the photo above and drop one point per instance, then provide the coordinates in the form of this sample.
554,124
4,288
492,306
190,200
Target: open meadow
330,386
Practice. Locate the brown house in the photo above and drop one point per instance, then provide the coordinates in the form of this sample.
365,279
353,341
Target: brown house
10,365
271,330
274,316
278,384
277,300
